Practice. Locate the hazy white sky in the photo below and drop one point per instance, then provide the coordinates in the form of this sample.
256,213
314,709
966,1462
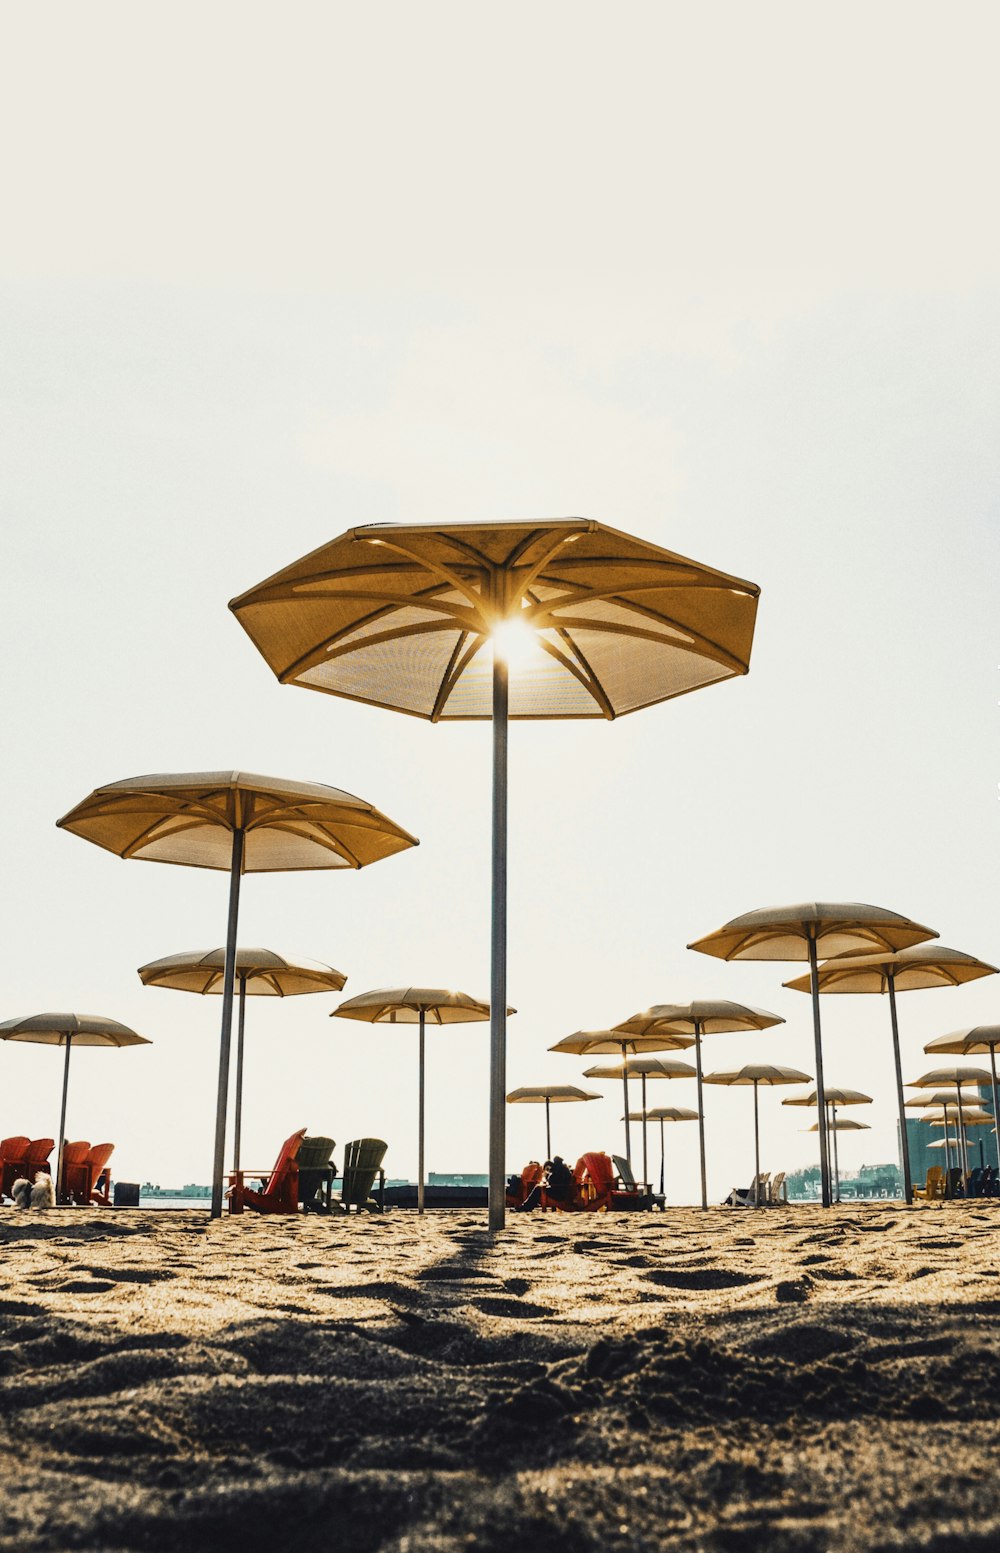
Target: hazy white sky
722,276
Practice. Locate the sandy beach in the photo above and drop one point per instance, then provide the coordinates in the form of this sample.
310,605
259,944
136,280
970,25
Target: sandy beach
789,1380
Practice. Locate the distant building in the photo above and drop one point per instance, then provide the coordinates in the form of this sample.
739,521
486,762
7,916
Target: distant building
438,1178
920,1135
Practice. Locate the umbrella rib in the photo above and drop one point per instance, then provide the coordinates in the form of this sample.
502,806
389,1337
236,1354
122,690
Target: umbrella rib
444,572
452,674
314,830
694,639
539,566
168,826
328,649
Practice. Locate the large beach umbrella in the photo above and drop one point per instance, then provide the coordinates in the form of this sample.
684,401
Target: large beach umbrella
971,1042
757,1073
606,1043
550,1094
642,1068
813,931
241,823
67,1031
839,1124
552,619
946,1099
904,970
415,1006
969,1119
662,1114
957,1076
259,973
835,1097
705,1016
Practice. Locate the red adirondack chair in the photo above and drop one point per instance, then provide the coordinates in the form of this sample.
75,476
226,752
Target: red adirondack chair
12,1152
97,1164
598,1180
75,1179
281,1189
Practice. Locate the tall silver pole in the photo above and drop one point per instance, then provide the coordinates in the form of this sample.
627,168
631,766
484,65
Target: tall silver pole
836,1155
663,1160
645,1155
62,1117
996,1105
225,1037
947,1142
701,1113
420,1121
238,1116
548,1130
498,949
628,1135
824,1152
756,1147
904,1142
963,1158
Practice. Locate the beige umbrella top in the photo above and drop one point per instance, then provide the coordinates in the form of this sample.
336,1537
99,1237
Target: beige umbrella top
557,1094
83,1029
664,1113
972,1116
642,1067
759,1073
190,817
713,1016
600,1043
263,972
949,1097
785,932
610,623
842,1124
956,1075
404,1006
919,966
969,1042
832,1097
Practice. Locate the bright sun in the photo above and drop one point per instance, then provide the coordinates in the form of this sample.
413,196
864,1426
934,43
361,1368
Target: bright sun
515,641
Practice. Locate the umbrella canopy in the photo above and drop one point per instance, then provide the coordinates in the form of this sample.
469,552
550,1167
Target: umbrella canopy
558,618
602,1043
415,1006
703,1016
757,1073
939,1097
242,822
809,931
842,1124
643,1068
69,1030
970,1042
833,1096
549,1095
259,973
662,1114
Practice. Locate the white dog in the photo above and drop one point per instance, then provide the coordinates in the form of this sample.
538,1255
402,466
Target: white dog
21,1193
42,1193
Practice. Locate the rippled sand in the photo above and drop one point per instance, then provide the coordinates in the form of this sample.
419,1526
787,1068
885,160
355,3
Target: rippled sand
786,1380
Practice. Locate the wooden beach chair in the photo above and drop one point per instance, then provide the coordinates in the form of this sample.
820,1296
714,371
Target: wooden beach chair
362,1163
12,1152
746,1197
933,1188
598,1181
97,1164
281,1187
316,1174
777,1192
74,1180
640,1192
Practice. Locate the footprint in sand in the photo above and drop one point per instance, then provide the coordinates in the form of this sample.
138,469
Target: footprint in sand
517,1309
130,1274
85,1286
701,1278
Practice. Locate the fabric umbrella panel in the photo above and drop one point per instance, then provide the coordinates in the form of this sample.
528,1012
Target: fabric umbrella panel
69,1031
259,973
563,618
704,1016
241,823
811,931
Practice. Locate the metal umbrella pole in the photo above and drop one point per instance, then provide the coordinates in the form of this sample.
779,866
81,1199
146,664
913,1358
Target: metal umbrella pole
498,949
963,1162
238,1116
824,1155
662,1161
645,1152
62,1114
947,1141
628,1135
420,1120
904,1140
225,1038
548,1131
836,1157
996,1106
701,1114
756,1145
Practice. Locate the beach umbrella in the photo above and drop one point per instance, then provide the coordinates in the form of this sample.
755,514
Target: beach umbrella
834,1097
259,973
418,1006
971,1042
662,1114
551,1094
705,1016
757,1073
642,1068
241,823
67,1031
605,1043
911,969
969,1119
838,1124
812,931
563,618
958,1076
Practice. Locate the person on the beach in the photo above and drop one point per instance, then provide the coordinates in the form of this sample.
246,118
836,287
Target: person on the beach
557,1183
